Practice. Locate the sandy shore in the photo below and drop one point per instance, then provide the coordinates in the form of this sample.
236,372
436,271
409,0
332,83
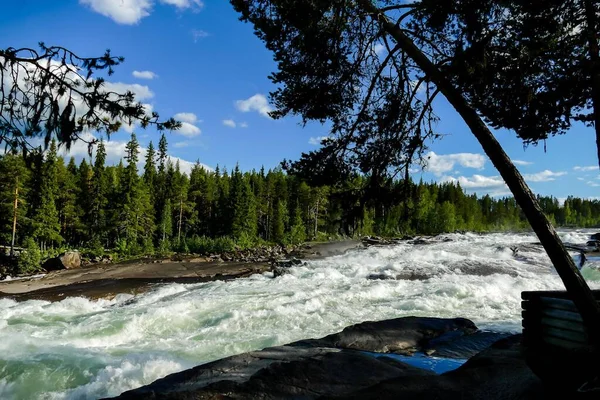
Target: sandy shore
106,281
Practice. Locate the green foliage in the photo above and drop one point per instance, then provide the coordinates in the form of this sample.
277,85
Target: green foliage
213,211
207,245
30,260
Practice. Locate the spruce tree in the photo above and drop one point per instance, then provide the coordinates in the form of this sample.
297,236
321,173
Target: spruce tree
13,192
46,224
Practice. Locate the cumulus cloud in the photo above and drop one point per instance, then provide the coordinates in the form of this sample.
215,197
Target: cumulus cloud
188,124
243,125
257,103
492,185
316,141
543,176
188,130
586,169
141,92
190,118
144,75
230,123
442,164
521,162
115,151
130,12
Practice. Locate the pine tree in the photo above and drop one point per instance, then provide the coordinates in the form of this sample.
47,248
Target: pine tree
67,207
13,192
98,200
46,224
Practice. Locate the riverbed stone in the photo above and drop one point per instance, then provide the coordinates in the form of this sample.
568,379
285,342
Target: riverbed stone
335,365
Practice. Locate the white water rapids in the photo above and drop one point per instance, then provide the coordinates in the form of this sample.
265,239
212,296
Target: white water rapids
80,349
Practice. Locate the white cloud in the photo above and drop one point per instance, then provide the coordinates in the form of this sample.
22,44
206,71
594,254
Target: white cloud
183,4
126,12
243,125
141,92
593,184
543,176
230,123
130,12
199,34
521,162
144,75
190,118
188,124
115,151
441,164
257,103
188,130
580,179
492,185
586,169
379,49
316,141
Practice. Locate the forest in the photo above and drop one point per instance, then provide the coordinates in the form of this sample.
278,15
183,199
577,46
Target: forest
51,205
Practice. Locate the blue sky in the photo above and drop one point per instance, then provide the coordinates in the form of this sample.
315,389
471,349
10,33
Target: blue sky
195,60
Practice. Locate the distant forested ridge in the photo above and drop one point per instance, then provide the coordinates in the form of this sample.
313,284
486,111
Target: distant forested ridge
158,208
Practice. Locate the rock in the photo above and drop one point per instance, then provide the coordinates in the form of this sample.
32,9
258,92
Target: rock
311,369
400,335
67,260
198,260
595,236
379,277
278,373
498,372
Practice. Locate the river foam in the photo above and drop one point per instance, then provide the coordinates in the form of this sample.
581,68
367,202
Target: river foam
79,349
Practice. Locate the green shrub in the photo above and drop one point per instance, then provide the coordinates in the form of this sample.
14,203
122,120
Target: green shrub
30,260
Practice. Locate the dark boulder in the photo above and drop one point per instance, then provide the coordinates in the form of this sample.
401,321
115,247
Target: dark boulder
499,372
400,335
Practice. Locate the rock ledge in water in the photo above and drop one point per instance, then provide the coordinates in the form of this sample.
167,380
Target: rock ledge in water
334,365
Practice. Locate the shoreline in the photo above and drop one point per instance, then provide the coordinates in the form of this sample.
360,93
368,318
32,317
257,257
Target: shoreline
135,277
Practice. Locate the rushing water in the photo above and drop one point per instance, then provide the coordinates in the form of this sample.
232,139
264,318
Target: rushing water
79,349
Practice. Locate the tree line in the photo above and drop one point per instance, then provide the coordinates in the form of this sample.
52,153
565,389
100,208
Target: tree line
53,204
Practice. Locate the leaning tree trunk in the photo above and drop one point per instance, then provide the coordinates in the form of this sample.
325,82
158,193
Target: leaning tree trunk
563,263
594,50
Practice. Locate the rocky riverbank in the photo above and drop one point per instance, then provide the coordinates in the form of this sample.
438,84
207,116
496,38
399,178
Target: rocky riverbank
357,364
105,280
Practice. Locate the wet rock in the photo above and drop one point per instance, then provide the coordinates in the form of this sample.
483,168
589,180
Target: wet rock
414,276
278,373
311,369
595,236
499,372
379,277
401,335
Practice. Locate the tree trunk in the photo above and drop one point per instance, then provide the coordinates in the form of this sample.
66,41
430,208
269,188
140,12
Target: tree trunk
14,227
594,49
317,217
180,217
563,263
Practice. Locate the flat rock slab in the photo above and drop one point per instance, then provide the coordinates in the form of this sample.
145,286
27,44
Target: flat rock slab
499,372
400,335
334,365
133,277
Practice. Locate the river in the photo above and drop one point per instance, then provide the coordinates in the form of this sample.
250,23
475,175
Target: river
80,349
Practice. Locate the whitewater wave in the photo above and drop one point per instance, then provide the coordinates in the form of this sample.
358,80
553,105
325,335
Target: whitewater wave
77,348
